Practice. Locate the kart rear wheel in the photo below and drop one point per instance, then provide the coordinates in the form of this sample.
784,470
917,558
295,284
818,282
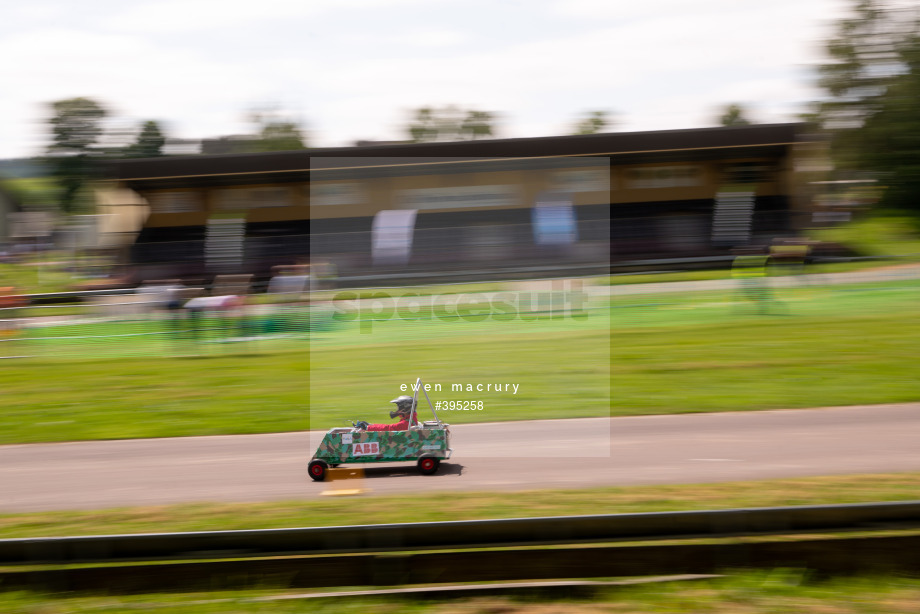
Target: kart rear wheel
317,469
428,465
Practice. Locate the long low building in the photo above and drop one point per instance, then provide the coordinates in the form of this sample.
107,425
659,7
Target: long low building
574,201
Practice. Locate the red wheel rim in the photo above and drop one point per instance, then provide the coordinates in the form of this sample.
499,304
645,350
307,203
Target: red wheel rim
316,469
427,464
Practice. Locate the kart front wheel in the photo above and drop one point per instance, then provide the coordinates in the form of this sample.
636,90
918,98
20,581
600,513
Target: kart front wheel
317,470
428,465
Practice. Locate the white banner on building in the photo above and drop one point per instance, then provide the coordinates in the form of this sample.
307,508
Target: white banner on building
554,219
391,239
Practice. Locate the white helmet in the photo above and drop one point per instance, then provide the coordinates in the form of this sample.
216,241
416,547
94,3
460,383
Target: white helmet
403,405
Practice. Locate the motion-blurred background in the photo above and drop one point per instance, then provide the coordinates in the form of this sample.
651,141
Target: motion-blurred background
228,220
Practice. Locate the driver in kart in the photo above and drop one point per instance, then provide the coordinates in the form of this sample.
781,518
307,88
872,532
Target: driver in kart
403,412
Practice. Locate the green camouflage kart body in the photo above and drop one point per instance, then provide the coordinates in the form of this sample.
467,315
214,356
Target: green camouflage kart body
345,445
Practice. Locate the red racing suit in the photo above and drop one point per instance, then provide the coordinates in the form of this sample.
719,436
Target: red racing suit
402,425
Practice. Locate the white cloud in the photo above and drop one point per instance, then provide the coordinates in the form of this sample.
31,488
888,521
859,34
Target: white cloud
188,15
196,15
354,68
430,38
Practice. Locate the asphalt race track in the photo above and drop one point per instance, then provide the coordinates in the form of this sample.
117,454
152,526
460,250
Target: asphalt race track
510,456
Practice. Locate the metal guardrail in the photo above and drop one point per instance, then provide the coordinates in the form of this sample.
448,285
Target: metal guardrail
463,534
832,556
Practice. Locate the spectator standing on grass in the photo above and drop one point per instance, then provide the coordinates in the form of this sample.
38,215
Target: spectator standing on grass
749,267
212,305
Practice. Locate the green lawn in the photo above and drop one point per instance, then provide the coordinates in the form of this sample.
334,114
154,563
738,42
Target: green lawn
39,274
48,400
668,353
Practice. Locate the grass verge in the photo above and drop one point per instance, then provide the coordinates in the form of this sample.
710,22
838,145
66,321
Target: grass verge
463,506
673,353
750,592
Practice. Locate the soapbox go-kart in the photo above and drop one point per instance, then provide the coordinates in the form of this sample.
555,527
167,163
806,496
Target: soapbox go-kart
426,442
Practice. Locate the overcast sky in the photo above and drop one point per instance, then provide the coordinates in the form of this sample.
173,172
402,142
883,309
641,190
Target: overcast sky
354,69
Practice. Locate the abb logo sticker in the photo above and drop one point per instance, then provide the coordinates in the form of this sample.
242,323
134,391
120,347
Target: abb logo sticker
363,449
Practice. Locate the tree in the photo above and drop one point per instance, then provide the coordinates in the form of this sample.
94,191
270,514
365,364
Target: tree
450,124
424,128
891,136
275,132
872,81
476,125
76,125
280,136
734,115
593,122
149,143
